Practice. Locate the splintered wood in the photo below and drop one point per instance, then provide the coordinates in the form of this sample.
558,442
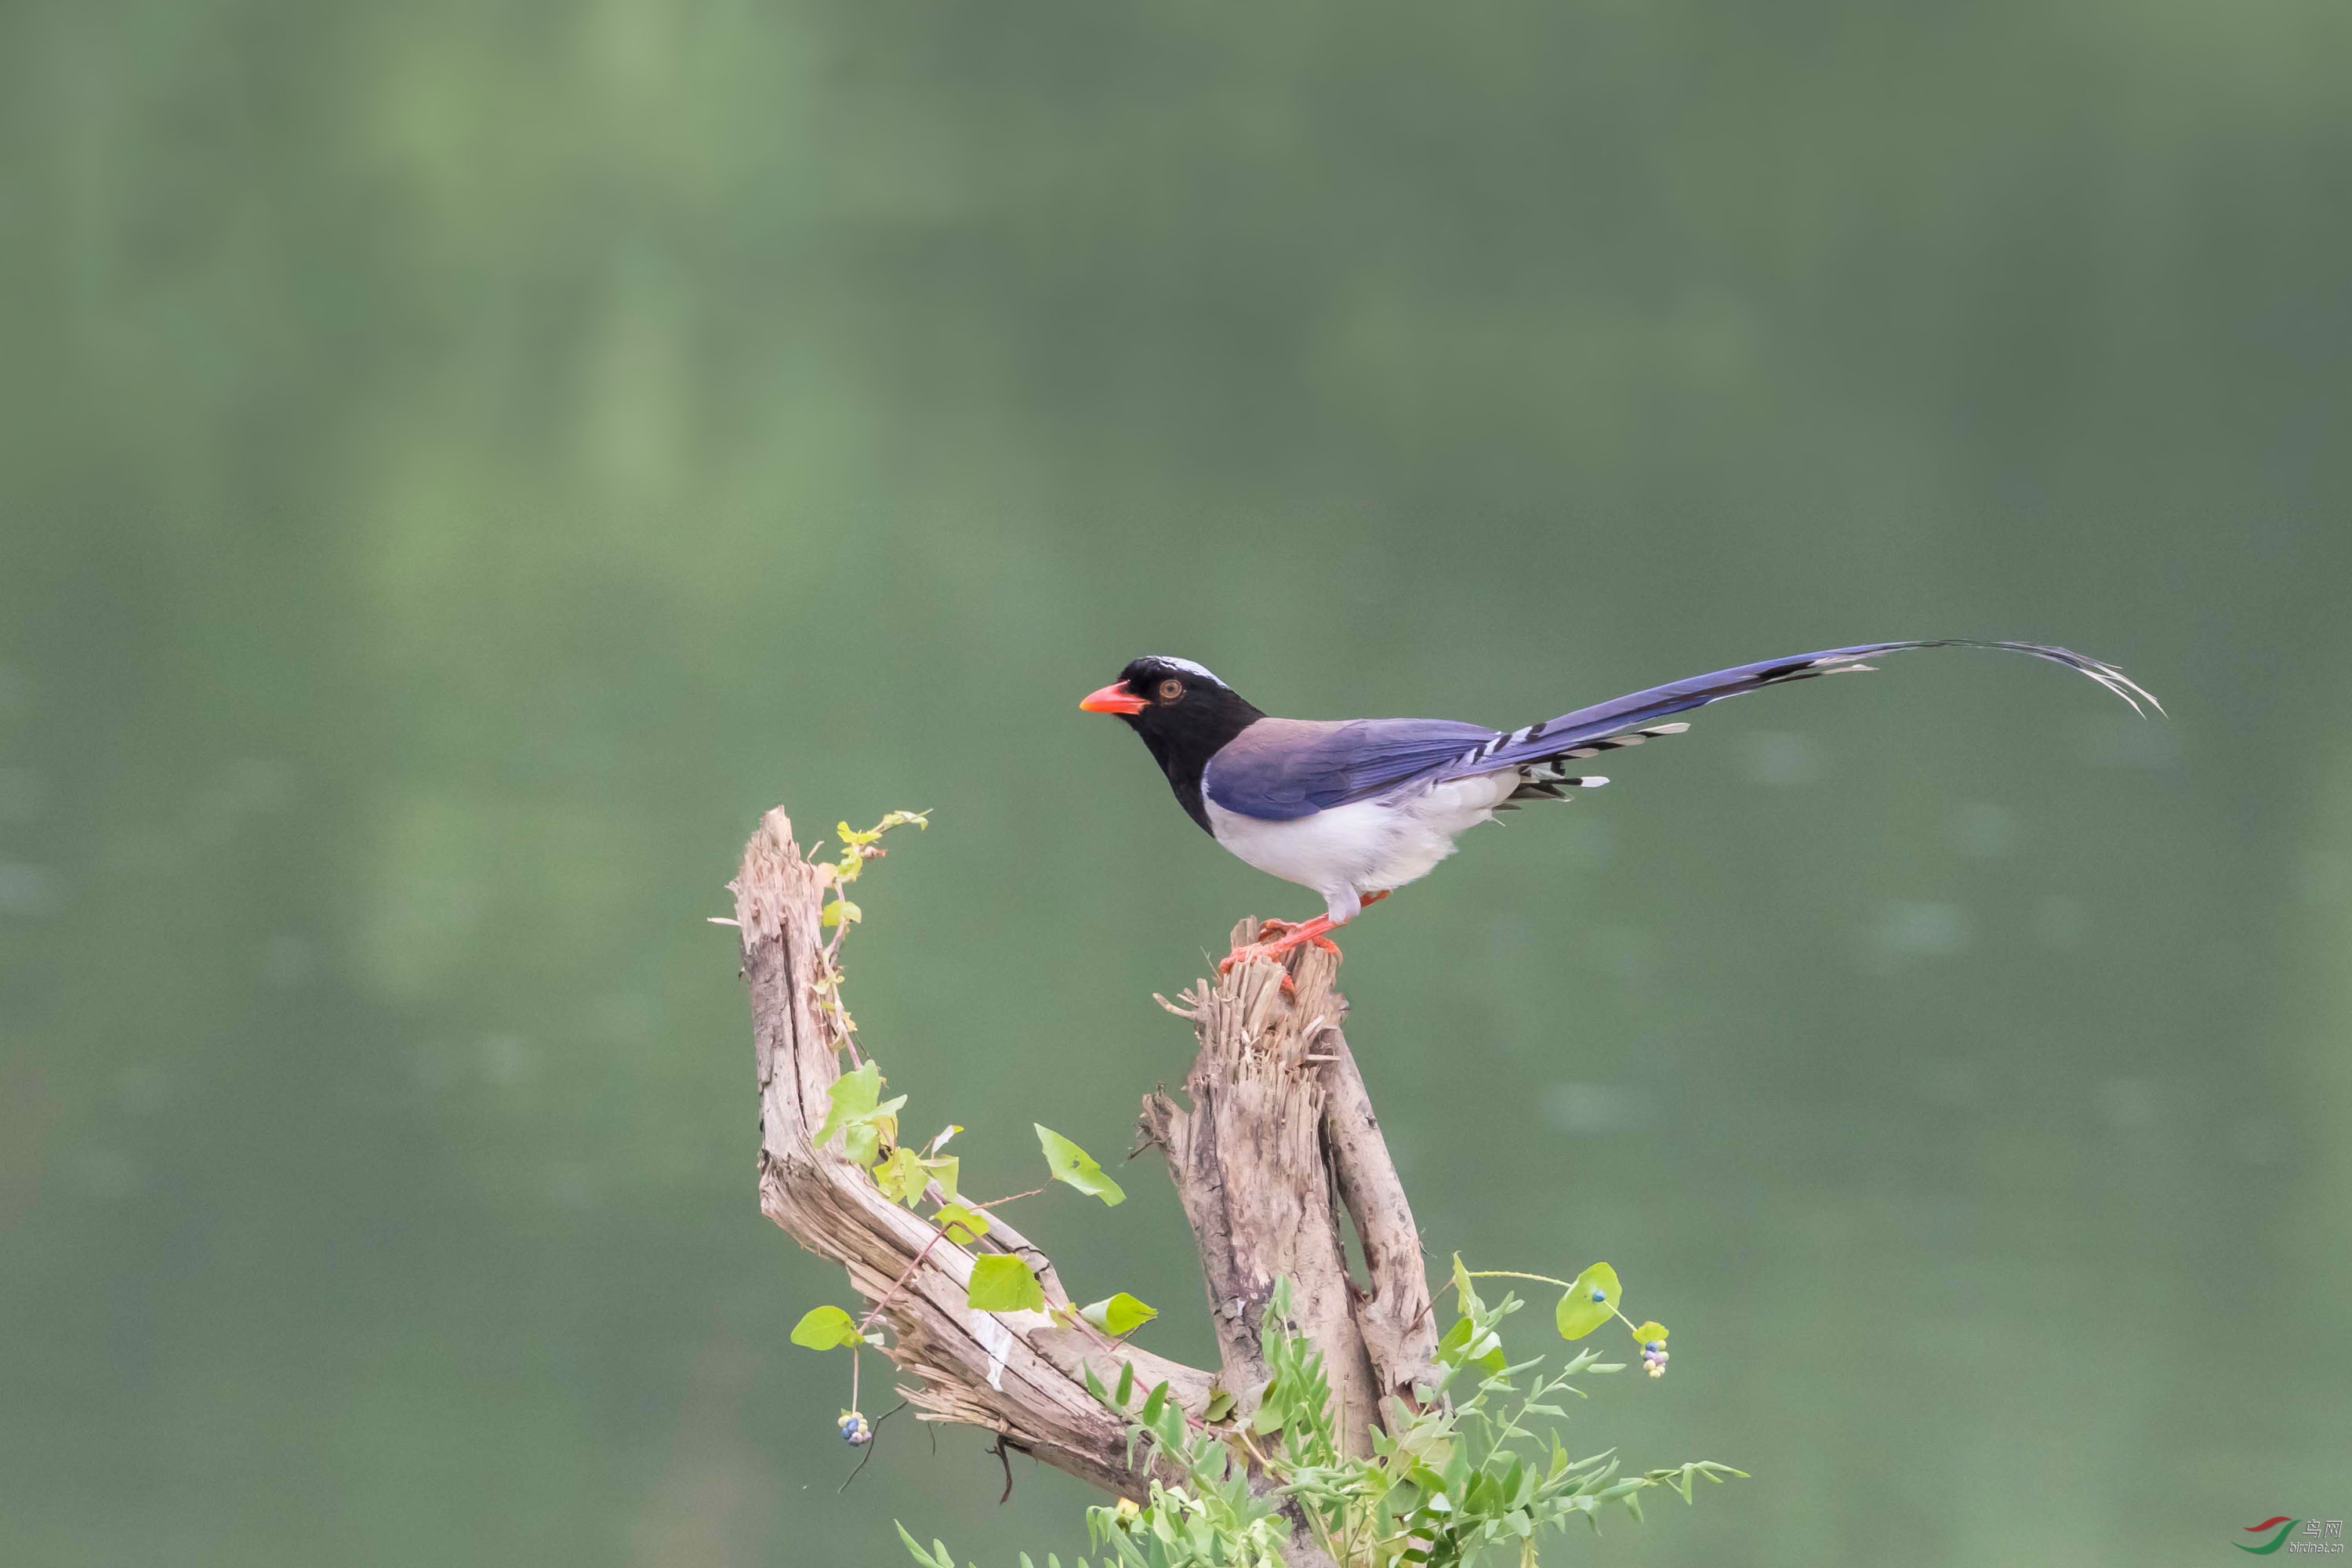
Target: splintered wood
1277,1137
1018,1374
1280,1135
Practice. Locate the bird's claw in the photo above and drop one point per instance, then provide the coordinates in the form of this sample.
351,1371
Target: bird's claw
1272,951
1276,928
1251,954
1248,952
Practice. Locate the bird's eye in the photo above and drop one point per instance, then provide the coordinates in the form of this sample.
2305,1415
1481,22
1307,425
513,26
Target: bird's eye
1171,689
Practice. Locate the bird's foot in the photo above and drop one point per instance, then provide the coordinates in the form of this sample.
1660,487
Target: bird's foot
1249,952
1279,929
1286,935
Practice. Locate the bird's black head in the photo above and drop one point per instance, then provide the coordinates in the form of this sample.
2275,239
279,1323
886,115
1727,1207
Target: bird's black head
1184,714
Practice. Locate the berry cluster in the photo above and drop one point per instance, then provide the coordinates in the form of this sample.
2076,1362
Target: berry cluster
1654,1355
855,1429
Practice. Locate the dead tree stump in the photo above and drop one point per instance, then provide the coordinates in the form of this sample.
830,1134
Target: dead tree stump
1278,1142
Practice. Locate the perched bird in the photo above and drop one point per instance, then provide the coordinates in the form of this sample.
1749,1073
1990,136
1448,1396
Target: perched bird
1357,808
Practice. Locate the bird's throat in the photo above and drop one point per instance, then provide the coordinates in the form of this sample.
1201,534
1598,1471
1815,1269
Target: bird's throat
1183,745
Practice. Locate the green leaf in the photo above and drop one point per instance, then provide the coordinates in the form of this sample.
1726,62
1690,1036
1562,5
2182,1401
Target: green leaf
841,911
938,1559
1073,1166
945,1170
826,1328
1155,1401
964,1226
1220,1404
903,1176
1653,1330
854,1096
1003,1283
1578,1313
1464,1345
1126,1384
1465,1295
1120,1315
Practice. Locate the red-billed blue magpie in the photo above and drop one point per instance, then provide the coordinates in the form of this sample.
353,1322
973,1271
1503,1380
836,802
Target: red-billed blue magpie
1357,808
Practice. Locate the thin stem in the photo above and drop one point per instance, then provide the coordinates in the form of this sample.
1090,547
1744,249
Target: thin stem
1508,1274
891,1294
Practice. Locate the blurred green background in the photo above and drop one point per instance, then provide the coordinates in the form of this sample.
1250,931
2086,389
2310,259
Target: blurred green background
461,461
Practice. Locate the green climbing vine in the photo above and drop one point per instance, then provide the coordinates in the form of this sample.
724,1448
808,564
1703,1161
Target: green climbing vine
1478,1474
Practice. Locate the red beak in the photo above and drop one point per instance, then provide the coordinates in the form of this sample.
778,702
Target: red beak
1114,699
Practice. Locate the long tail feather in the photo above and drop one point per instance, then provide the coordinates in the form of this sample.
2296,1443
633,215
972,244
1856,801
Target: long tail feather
1628,721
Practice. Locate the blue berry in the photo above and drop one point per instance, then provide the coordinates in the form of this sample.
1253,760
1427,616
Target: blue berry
1600,1295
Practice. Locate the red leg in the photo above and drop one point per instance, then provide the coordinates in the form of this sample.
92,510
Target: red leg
1288,934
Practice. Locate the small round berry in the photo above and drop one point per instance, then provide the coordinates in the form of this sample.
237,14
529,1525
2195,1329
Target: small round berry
1655,1345
1598,1295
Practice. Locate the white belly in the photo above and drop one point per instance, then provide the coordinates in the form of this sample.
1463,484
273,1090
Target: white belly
1370,846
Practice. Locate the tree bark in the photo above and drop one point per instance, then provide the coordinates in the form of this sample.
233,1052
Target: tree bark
1016,1374
1279,1134
1277,1137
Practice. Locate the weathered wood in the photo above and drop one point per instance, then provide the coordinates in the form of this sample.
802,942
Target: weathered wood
1394,1312
1279,1123
1018,1374
1277,1136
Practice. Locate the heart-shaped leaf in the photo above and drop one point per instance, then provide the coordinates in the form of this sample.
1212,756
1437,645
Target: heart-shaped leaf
1075,1166
854,1096
903,1176
1003,1283
826,1328
1590,1303
1121,1314
963,1226
945,1170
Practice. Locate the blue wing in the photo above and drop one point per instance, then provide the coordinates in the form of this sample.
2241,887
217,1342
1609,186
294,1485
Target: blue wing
1279,770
